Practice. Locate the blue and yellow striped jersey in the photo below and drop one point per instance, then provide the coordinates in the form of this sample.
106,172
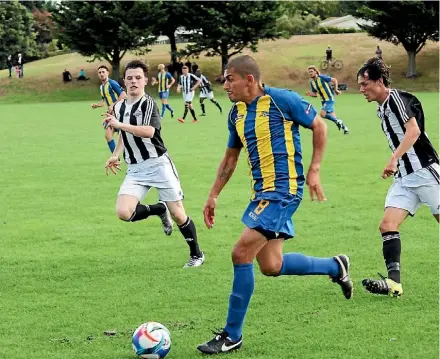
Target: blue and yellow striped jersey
268,129
110,91
163,78
322,86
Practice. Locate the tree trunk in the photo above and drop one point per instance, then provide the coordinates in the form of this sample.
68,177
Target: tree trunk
172,37
116,63
411,64
225,58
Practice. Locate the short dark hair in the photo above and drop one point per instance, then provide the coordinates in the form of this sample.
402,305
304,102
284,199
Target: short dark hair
245,65
103,67
185,67
376,69
136,64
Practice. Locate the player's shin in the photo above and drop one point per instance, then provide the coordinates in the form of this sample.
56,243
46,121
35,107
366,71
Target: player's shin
188,230
186,111
391,248
144,211
242,290
300,264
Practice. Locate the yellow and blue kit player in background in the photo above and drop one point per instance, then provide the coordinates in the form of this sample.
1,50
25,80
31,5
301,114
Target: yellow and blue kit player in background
320,85
111,92
264,121
164,80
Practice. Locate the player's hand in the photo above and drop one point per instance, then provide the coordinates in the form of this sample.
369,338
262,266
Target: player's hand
208,211
337,92
112,121
112,164
314,183
390,169
168,87
110,109
94,105
308,93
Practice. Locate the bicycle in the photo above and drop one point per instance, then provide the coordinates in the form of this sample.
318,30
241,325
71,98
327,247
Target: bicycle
337,64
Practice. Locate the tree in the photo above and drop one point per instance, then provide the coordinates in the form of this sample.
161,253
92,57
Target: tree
105,30
227,28
169,16
412,23
16,33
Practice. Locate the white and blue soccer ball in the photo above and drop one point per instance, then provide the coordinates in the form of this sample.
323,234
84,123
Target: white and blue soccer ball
151,340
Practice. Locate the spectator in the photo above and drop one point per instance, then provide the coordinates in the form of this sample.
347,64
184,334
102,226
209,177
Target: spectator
195,67
379,52
9,64
17,72
20,63
67,76
329,54
82,76
188,64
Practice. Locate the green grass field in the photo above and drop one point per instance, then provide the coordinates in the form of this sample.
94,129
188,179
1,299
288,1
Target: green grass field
71,270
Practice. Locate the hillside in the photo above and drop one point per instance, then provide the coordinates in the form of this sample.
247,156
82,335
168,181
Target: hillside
283,63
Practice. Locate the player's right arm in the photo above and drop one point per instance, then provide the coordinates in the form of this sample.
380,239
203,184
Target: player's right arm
224,173
313,92
99,104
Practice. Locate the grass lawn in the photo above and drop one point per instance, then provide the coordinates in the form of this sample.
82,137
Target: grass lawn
71,270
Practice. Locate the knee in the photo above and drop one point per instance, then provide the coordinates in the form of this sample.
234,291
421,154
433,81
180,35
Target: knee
124,213
271,269
178,214
388,225
240,255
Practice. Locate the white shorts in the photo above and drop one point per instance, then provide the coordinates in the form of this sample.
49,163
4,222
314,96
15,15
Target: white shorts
410,191
209,95
159,173
188,97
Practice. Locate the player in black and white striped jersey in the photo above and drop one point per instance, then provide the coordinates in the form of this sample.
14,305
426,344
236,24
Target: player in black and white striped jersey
206,92
149,165
187,84
414,164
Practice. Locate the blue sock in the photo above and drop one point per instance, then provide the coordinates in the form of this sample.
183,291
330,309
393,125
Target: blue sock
163,111
169,107
299,264
242,290
331,118
111,145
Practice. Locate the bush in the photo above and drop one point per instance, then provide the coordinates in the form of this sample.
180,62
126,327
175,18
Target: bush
335,30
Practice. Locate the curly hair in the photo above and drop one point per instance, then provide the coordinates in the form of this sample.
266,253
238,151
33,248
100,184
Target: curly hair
376,69
137,64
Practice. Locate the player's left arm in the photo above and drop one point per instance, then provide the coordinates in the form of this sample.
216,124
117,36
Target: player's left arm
335,83
172,80
408,116
304,113
197,83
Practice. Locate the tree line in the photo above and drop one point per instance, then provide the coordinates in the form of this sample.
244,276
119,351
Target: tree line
107,30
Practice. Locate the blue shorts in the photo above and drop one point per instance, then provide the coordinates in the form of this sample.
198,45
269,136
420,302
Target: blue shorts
272,217
164,94
328,106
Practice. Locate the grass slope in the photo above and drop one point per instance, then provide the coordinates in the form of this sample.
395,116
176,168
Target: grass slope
283,63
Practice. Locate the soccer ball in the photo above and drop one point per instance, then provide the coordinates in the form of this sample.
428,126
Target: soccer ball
151,340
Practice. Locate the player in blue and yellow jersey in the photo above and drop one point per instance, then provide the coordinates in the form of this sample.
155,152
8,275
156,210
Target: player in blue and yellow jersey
111,92
265,122
320,85
164,80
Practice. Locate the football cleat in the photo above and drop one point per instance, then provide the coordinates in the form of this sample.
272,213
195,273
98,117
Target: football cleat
181,120
344,276
195,121
167,222
172,114
195,261
383,286
221,343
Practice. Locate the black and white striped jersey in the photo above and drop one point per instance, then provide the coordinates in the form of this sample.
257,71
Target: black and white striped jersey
143,112
187,82
397,109
205,85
